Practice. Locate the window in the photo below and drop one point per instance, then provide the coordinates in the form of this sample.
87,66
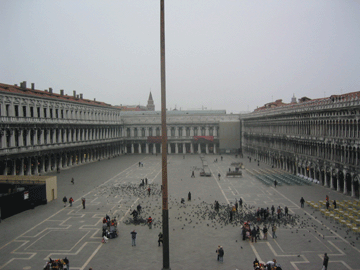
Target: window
16,107
45,113
51,113
31,111
7,109
38,112
24,111
57,113
150,132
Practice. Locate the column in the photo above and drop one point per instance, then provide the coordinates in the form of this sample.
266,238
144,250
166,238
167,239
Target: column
154,148
3,139
206,131
12,138
345,185
21,139
207,148
184,148
139,145
132,148
215,131
42,164
21,170
215,149
169,148
13,169
192,131
191,148
199,148
28,166
176,148
176,132
147,147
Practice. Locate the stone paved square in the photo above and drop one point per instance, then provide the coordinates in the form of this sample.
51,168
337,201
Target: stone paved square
28,239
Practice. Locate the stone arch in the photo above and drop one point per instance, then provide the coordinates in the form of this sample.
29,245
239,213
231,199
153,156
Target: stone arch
334,177
341,178
356,181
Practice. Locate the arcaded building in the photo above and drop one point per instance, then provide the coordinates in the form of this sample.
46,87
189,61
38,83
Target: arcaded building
318,139
44,131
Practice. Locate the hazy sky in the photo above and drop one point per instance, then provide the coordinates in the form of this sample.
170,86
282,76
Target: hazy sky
220,54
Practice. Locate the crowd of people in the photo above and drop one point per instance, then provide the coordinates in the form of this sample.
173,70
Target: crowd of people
109,229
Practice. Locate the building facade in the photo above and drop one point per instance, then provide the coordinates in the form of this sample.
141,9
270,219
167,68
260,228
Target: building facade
42,131
319,139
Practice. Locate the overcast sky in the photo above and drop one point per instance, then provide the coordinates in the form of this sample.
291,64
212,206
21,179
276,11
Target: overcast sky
220,54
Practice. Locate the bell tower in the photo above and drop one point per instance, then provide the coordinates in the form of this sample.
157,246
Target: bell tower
150,105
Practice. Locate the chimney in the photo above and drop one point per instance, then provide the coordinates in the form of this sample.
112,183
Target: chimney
32,86
61,92
24,85
15,84
74,93
94,99
81,96
77,96
50,90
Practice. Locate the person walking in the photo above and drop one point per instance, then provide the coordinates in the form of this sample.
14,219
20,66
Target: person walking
133,238
265,231
64,201
83,202
272,210
160,238
274,231
327,205
275,183
189,196
240,202
334,203
236,205
72,180
66,261
149,220
217,253
71,200
149,189
302,201
146,181
286,211
253,235
325,261
221,254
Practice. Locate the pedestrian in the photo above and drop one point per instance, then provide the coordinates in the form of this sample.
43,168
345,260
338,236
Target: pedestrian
149,220
138,208
72,180
240,202
236,205
192,174
160,238
327,205
66,261
146,181
275,183
274,231
65,201
219,175
189,196
286,211
255,263
325,261
83,202
217,252
334,203
221,158
139,163
133,238
253,234
231,215
265,231
327,198
149,189
221,254
71,200
272,210
302,201
279,212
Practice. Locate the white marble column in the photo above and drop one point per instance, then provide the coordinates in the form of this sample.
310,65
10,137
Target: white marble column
176,148
147,147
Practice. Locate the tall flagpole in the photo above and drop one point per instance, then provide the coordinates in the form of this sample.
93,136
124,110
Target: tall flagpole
165,208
